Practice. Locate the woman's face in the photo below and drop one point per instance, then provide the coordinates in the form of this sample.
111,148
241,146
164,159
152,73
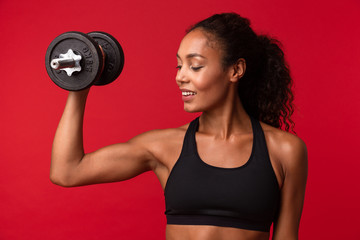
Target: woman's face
201,77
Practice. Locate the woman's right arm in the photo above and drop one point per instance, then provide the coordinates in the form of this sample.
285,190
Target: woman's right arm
70,166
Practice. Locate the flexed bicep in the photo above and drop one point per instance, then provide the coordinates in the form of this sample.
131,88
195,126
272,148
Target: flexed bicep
112,163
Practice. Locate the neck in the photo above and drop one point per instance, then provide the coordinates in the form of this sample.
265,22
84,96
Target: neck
228,119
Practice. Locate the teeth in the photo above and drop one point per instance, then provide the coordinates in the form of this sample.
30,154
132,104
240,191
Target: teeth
188,93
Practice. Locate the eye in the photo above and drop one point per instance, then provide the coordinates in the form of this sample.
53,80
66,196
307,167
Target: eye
196,68
178,67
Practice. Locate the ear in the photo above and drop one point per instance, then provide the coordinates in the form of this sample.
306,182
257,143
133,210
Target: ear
238,70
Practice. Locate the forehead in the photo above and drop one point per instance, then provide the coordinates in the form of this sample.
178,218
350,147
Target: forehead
196,42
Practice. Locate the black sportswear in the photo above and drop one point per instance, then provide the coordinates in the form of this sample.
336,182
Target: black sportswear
246,197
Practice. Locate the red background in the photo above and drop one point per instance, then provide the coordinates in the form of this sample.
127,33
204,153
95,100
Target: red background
321,41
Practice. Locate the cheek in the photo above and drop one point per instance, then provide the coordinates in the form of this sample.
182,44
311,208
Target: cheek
210,81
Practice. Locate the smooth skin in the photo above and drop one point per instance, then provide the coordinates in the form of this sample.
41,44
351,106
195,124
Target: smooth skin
224,140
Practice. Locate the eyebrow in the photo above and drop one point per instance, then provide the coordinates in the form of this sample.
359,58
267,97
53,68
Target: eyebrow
191,55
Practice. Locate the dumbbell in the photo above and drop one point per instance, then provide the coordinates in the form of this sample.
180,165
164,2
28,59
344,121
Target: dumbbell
75,60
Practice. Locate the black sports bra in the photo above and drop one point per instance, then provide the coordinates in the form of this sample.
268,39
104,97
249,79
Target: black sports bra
246,197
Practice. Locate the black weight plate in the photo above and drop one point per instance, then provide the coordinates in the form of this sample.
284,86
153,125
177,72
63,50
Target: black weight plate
114,57
91,62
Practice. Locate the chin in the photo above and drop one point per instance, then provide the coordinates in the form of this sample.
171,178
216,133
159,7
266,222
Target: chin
191,109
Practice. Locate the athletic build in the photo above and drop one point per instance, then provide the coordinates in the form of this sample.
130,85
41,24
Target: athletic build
224,138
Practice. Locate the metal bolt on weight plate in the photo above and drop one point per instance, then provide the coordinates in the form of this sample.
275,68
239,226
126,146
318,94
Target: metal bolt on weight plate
69,62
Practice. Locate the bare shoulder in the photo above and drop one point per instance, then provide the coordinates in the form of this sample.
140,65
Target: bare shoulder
159,136
285,148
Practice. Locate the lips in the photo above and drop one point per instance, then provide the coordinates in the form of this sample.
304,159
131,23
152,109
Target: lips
187,94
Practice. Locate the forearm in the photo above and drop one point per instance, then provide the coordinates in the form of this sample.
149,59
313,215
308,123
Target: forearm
68,150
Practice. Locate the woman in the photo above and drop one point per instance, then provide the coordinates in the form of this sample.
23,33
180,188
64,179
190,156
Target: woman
230,173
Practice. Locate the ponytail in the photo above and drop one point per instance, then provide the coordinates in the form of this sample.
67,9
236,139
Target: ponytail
273,98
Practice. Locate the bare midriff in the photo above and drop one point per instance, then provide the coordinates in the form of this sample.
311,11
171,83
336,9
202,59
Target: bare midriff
200,232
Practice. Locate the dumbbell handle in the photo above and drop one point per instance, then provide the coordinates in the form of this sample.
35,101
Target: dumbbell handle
60,63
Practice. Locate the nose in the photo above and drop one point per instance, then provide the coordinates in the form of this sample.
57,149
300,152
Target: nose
180,77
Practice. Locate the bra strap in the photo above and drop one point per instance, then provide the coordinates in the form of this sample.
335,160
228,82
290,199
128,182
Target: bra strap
188,144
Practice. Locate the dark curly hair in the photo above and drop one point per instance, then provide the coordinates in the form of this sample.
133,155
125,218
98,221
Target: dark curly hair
265,89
